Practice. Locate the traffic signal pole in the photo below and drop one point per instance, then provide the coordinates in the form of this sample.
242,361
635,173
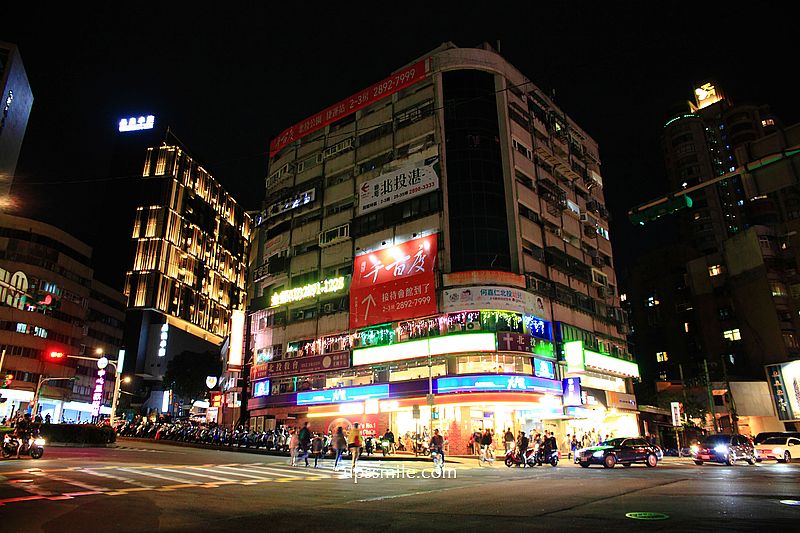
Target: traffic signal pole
670,203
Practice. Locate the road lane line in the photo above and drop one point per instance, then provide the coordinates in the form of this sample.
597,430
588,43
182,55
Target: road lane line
72,482
276,473
150,474
117,478
195,474
237,473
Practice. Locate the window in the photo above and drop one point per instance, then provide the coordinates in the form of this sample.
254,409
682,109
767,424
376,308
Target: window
521,148
790,340
623,297
686,327
767,122
777,288
662,357
652,301
732,334
714,270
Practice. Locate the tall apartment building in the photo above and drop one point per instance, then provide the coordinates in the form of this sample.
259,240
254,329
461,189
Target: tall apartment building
725,295
434,250
16,100
187,281
39,261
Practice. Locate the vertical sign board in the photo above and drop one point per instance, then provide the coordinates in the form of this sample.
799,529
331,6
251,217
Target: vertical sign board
386,87
394,283
237,338
779,396
675,407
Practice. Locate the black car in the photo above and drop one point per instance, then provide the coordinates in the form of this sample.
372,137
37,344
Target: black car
726,449
625,451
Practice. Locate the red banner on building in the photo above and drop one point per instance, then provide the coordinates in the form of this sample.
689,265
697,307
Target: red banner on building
308,365
397,81
394,283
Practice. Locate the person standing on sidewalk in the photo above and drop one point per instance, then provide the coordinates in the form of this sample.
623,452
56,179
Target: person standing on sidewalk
294,445
316,448
508,439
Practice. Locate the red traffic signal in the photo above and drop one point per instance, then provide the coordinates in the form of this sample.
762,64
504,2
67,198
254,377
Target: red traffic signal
7,380
56,356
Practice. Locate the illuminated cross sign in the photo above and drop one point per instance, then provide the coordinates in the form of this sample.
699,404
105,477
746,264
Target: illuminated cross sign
136,124
307,291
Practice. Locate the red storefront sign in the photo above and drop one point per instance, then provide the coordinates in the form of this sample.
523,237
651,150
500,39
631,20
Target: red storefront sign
394,283
397,81
259,371
307,365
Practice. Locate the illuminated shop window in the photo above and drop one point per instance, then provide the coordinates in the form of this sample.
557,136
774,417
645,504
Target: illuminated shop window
662,357
714,270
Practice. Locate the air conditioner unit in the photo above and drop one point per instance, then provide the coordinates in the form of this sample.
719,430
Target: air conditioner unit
327,308
473,326
454,327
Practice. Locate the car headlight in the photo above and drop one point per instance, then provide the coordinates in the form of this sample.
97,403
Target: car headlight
39,442
777,451
695,448
598,454
721,449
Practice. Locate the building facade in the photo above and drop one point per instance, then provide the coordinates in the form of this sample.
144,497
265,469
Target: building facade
723,297
16,100
427,250
40,263
187,282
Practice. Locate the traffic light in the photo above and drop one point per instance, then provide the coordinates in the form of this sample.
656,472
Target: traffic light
641,216
7,380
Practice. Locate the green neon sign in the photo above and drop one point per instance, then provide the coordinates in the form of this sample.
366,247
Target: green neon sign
311,290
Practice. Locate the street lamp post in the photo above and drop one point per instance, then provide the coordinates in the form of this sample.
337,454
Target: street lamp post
42,381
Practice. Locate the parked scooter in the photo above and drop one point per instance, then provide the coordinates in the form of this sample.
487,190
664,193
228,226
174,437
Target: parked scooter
550,458
513,458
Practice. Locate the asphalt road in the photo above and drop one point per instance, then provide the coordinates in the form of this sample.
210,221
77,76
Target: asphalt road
141,486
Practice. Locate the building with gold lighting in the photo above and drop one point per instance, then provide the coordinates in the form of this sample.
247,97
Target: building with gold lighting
187,282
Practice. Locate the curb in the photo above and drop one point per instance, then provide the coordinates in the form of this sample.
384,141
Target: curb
258,451
78,445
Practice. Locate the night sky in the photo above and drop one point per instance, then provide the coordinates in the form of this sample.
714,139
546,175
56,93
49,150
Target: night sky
226,81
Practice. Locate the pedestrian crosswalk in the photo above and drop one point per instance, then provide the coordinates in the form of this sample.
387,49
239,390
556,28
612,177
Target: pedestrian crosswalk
35,484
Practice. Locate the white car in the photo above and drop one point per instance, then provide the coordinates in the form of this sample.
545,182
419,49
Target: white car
780,448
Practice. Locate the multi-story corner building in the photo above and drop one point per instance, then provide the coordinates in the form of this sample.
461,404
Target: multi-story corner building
724,297
434,250
16,100
39,262
187,282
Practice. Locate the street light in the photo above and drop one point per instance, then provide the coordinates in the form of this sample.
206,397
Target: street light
102,363
42,381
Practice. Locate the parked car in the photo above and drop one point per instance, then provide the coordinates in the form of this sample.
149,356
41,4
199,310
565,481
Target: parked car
624,450
782,449
761,437
726,449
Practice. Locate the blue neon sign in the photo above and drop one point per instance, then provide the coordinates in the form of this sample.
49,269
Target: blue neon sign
350,394
260,388
538,327
572,392
544,369
497,383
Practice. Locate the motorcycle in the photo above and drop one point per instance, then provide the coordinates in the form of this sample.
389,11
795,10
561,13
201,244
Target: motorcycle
550,458
34,447
385,446
514,458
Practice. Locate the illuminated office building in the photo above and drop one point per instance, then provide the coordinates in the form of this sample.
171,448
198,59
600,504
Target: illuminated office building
191,241
427,249
16,100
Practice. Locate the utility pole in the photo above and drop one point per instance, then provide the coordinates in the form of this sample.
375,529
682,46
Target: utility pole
710,396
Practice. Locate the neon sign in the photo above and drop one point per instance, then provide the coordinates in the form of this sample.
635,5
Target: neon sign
467,342
261,388
579,358
350,394
497,382
97,396
308,291
137,124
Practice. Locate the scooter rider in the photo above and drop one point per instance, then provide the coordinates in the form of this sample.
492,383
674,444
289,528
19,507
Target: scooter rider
23,431
522,447
437,444
390,437
548,446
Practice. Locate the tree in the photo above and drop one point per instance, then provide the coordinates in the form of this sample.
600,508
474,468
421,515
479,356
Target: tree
186,373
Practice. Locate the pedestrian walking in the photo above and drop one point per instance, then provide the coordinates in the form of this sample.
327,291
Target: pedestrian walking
354,443
339,446
305,441
316,449
294,446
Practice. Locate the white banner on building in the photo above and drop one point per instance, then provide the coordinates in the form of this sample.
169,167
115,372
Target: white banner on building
491,297
676,413
399,185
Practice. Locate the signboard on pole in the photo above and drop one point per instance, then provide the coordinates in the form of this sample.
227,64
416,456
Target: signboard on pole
675,407
394,283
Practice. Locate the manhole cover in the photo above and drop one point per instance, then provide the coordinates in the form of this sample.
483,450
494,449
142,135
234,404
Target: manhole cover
647,516
790,502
